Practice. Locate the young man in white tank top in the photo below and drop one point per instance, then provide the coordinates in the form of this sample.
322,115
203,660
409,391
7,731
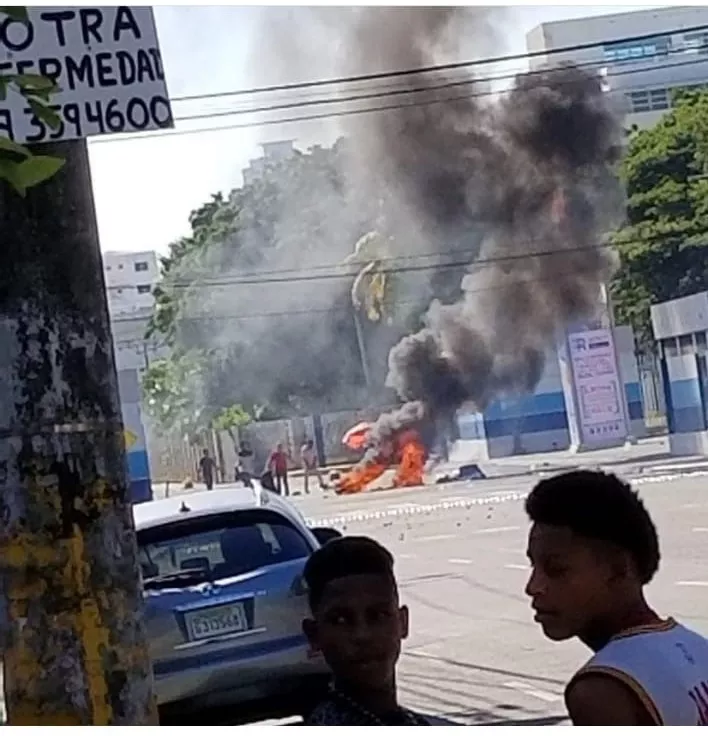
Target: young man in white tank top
593,547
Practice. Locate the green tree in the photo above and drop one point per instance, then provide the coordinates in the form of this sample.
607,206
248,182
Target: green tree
664,245
172,393
18,165
231,418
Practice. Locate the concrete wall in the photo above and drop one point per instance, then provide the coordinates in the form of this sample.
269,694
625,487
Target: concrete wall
681,329
530,424
686,405
173,459
629,372
539,422
136,446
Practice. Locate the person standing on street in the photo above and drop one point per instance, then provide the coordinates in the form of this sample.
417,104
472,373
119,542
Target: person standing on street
245,469
207,469
278,466
310,464
593,547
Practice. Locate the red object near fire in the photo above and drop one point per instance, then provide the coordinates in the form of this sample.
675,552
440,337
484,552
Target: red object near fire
357,437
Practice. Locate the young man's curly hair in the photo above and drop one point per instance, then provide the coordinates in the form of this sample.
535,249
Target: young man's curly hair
598,506
343,557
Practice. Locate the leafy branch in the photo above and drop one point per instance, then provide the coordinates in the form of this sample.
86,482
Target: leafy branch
18,165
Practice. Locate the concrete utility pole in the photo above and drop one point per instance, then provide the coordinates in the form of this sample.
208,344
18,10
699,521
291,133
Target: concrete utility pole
73,644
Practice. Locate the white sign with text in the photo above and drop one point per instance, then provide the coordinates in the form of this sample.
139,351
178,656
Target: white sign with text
598,386
106,62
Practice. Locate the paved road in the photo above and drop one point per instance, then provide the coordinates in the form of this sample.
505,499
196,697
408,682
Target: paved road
474,655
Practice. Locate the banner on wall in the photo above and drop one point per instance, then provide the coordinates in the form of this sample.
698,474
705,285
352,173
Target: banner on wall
598,386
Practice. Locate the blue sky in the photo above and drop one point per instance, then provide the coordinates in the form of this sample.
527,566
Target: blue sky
145,190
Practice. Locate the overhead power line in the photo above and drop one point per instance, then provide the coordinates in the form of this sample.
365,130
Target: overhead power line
345,271
429,88
357,111
275,277
334,309
438,67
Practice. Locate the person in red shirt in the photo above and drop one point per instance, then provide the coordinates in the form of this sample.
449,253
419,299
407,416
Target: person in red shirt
278,466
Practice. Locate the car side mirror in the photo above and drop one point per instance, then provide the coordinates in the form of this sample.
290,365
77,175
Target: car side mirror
325,534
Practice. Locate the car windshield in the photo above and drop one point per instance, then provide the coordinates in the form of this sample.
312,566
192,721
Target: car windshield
218,547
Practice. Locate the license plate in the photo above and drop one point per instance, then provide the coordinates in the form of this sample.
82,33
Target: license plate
217,621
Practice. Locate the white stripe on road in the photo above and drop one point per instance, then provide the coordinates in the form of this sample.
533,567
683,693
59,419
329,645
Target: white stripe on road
693,583
527,689
460,561
517,567
700,529
434,538
497,530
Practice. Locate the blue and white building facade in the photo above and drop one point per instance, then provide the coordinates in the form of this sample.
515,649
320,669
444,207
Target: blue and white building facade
547,419
680,329
135,442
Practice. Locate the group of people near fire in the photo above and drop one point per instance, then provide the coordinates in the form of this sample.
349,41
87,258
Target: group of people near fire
404,449
592,548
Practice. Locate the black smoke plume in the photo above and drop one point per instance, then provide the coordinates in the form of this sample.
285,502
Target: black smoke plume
532,173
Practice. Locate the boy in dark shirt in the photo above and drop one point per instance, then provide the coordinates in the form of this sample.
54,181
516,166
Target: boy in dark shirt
358,625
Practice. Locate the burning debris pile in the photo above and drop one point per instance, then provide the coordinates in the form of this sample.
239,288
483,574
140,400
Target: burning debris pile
534,174
386,444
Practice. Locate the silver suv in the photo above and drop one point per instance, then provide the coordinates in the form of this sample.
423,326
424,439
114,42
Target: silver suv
224,603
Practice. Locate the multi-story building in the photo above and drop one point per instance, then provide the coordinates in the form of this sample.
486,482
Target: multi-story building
641,74
130,280
273,152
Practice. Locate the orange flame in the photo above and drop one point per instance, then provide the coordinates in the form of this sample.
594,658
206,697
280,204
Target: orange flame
410,471
358,478
410,452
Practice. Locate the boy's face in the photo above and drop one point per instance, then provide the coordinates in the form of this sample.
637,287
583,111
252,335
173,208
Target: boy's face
359,626
573,586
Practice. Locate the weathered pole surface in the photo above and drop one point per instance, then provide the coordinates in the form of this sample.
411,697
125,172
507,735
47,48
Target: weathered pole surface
73,643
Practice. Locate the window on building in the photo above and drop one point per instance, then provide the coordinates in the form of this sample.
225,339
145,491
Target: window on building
144,288
670,347
659,99
633,51
120,266
696,43
141,265
685,343
700,342
639,101
646,100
